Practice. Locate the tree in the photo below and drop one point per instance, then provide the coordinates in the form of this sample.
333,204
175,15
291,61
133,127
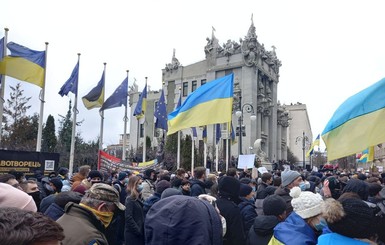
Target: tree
64,137
20,131
17,105
48,136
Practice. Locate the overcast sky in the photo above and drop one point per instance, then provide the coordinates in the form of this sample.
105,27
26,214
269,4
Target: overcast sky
329,50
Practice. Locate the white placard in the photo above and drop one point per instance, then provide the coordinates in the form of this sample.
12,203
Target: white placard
246,161
262,170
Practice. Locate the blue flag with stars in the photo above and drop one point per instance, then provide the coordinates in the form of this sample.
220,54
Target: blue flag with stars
161,113
118,98
72,83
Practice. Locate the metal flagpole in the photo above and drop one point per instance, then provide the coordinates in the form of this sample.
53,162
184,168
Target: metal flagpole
42,93
216,157
178,152
102,114
125,129
144,130
2,89
75,112
192,155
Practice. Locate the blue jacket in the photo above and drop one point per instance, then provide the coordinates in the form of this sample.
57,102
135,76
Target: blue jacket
183,220
294,230
197,188
335,238
248,213
150,201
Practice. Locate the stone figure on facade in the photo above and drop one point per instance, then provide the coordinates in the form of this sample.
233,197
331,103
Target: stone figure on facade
174,65
228,49
260,154
261,87
133,88
209,46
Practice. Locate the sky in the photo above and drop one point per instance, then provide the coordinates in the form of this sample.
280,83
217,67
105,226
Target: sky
330,50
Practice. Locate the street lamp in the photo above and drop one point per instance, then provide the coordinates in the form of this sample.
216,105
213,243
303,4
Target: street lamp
304,139
248,108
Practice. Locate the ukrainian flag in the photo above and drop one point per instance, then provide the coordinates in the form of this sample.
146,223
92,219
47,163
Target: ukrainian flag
209,104
141,106
311,150
95,98
24,64
357,123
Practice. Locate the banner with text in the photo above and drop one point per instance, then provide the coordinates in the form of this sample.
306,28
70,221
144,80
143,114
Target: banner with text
28,162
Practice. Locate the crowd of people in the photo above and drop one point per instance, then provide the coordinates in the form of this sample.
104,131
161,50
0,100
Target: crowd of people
157,207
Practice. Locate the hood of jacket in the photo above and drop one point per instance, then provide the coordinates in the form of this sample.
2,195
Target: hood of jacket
264,224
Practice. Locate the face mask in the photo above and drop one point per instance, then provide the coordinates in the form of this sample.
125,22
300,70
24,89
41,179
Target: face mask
302,185
139,188
254,188
322,224
126,180
36,197
49,188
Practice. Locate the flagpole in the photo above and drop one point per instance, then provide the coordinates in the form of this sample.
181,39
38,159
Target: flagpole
192,154
227,153
42,93
216,157
144,131
3,83
125,128
75,111
102,114
205,154
178,150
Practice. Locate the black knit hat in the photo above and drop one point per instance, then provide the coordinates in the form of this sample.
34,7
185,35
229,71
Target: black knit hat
95,173
245,190
354,220
229,187
161,186
274,205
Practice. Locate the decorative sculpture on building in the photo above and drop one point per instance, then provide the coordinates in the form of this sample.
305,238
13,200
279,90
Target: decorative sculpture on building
260,154
174,65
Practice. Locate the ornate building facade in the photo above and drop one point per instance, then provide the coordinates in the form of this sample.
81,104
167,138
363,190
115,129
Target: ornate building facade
256,77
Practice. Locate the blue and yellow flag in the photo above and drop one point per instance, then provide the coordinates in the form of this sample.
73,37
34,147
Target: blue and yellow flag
357,123
140,108
95,97
209,104
71,85
315,142
24,64
161,113
118,98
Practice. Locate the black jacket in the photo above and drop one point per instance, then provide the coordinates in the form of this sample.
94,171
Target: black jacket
284,193
134,222
235,229
262,230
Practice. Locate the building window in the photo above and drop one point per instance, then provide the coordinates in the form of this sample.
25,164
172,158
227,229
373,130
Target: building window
203,82
228,72
193,86
185,89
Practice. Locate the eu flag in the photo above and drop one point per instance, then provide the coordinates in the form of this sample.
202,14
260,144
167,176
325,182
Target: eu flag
118,98
161,113
72,83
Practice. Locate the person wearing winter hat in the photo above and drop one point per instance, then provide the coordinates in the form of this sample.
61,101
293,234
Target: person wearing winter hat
13,197
170,192
183,219
160,187
228,192
274,209
94,176
351,221
305,223
56,185
247,207
289,179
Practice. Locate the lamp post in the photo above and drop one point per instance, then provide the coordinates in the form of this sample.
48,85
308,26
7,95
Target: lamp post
304,139
248,108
